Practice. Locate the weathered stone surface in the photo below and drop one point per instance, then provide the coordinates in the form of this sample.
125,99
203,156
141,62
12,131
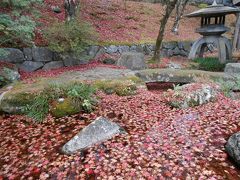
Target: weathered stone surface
92,51
28,54
8,75
13,103
133,48
191,95
53,65
42,54
232,68
72,60
30,66
14,55
179,75
122,49
112,49
133,61
139,48
233,147
96,132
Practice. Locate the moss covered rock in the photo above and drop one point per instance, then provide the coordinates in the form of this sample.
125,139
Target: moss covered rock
15,103
120,87
63,108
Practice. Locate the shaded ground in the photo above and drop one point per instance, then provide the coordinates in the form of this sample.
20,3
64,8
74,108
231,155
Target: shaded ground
162,142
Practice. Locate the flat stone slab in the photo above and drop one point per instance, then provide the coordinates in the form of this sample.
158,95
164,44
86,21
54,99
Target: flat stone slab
98,131
179,75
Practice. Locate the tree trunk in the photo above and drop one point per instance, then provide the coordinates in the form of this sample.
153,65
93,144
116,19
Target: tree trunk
180,8
70,9
169,8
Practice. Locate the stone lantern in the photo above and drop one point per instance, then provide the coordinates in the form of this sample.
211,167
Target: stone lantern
212,28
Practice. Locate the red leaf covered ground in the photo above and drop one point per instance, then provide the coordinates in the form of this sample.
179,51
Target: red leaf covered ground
161,142
137,23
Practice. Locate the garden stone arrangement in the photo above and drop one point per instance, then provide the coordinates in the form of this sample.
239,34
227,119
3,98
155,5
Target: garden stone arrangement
88,94
32,59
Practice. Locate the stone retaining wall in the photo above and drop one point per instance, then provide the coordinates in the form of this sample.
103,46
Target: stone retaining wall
32,59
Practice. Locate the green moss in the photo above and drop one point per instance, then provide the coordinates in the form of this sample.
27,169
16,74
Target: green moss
65,108
120,87
202,5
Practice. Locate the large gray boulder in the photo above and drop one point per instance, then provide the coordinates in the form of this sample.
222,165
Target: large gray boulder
53,65
233,147
232,68
42,54
98,131
13,55
30,66
132,60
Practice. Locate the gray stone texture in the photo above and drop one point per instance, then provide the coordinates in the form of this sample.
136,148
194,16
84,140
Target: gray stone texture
233,147
123,49
53,65
232,68
112,49
132,60
96,132
92,51
14,55
198,97
28,54
8,75
42,54
30,66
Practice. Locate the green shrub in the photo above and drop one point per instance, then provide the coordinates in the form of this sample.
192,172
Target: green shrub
120,87
73,36
210,64
38,108
17,26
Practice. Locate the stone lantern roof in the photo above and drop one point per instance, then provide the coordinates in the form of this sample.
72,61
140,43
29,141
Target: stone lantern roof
214,10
